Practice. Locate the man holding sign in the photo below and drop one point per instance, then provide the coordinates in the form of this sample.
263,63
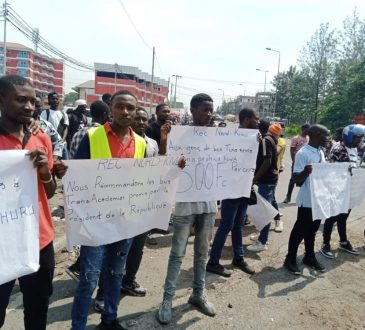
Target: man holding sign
187,214
17,99
111,140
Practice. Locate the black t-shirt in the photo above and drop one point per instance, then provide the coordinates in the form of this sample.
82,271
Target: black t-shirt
154,132
267,149
76,122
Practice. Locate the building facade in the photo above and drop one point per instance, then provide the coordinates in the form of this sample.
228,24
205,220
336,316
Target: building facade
110,78
46,73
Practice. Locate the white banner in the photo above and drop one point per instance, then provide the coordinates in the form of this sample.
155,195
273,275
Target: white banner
357,187
330,189
261,213
19,233
107,200
220,162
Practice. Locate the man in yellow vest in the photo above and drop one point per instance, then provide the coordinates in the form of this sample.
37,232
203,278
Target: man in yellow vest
111,140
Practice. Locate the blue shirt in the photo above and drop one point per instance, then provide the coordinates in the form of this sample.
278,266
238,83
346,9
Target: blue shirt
305,156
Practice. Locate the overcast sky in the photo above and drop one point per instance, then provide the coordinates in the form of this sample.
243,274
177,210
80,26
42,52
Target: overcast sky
223,41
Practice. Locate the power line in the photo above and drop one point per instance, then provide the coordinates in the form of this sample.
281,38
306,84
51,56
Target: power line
223,81
134,26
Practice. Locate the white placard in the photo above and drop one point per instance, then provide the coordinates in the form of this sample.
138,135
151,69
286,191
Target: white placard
107,200
357,187
220,163
261,213
19,230
330,189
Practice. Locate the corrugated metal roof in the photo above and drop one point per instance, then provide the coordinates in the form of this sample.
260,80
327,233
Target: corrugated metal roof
130,70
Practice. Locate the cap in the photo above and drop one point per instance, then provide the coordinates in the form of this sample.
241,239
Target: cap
79,102
275,129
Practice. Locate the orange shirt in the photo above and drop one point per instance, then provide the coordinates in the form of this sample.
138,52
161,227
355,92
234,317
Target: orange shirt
30,141
117,148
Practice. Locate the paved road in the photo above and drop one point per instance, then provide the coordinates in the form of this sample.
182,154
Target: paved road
270,299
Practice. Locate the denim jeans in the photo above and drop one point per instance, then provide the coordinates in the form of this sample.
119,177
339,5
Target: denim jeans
267,191
36,289
203,230
131,267
91,260
233,212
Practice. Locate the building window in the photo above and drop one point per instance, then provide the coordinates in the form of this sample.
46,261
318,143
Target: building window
23,64
23,73
23,54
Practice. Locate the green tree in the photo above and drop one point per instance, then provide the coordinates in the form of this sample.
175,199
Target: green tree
70,97
317,61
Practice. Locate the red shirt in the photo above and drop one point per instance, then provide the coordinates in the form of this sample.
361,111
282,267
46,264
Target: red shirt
117,148
30,141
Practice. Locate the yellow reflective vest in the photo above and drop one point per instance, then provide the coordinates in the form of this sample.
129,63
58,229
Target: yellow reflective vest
99,144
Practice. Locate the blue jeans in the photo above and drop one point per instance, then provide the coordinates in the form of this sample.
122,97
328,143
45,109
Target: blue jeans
267,191
65,152
203,230
91,260
233,212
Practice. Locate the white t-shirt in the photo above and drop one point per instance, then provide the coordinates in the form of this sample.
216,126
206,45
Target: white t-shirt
55,117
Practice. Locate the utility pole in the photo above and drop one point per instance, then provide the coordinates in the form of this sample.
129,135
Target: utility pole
276,89
153,73
5,5
176,76
172,87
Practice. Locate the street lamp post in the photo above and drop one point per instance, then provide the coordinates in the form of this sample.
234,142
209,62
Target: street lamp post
222,94
244,89
276,88
265,71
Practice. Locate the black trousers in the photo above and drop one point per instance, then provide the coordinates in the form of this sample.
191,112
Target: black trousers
36,289
291,183
305,228
341,220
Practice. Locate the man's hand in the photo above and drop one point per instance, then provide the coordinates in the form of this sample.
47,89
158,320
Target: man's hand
34,126
40,161
182,162
165,129
59,168
308,170
259,137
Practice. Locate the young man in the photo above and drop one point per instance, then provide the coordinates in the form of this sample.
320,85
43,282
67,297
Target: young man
305,226
233,212
99,112
297,142
58,118
154,129
17,99
111,140
202,216
266,178
345,151
106,98
47,127
77,120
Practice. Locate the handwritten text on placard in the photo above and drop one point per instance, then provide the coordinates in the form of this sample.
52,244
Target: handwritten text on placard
108,200
220,161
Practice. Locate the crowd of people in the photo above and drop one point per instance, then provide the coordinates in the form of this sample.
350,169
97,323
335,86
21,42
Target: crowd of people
121,129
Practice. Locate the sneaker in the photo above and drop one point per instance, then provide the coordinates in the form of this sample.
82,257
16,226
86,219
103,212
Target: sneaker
203,304
151,240
326,251
218,269
74,272
286,200
114,325
348,248
164,313
133,289
278,226
241,264
313,263
257,247
99,306
292,266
